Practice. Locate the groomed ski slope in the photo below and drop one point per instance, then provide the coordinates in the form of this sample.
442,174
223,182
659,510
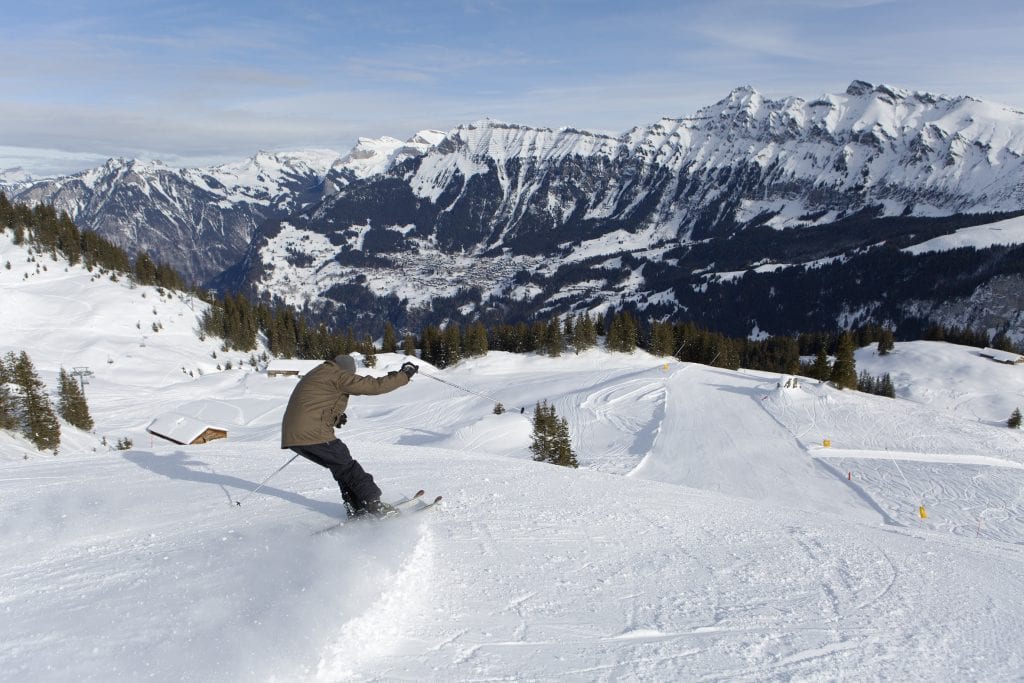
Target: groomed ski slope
708,535
135,565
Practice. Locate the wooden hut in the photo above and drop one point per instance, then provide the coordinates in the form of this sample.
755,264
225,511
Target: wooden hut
291,367
999,356
185,430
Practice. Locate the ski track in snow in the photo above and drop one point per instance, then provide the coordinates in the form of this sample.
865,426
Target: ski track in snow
782,598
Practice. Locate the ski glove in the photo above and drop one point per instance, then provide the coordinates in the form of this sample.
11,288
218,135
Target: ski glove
409,369
342,419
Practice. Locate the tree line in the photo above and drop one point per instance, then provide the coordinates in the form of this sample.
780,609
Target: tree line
44,229
289,334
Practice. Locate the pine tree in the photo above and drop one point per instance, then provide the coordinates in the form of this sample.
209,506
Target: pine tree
240,323
821,370
369,353
554,342
69,239
540,439
475,342
347,342
550,441
537,339
389,344
39,423
521,338
71,403
886,387
409,345
1002,342
1014,421
584,333
622,334
663,339
430,346
562,444
8,405
885,342
844,370
451,344
866,383
145,269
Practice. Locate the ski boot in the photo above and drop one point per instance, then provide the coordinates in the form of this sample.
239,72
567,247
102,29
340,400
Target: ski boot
380,509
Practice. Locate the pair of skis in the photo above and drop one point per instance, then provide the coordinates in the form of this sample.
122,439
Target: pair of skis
415,502
406,506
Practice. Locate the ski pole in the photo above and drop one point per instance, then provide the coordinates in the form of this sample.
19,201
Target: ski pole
452,384
239,501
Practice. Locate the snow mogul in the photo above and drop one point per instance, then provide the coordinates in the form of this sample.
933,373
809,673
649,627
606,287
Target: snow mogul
317,407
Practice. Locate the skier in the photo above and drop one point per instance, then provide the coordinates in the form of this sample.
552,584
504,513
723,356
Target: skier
317,406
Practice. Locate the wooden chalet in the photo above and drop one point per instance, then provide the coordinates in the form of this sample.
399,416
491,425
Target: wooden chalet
185,430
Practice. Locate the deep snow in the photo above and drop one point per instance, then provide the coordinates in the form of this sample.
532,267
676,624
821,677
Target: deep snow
709,533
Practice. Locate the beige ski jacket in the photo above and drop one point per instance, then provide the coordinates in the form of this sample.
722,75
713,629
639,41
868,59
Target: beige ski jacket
322,396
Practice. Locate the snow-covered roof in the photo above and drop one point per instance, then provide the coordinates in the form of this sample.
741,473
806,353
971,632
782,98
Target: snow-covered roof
292,365
180,428
1002,356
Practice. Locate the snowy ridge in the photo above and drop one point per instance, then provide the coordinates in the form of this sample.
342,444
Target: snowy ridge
500,141
145,204
265,176
738,547
576,210
200,221
909,151
372,156
13,180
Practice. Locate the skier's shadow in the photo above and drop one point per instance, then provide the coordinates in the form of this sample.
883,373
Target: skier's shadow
179,465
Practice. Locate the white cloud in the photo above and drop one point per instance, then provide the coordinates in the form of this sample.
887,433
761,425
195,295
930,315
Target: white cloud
186,85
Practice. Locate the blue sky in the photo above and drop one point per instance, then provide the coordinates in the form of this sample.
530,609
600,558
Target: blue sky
200,82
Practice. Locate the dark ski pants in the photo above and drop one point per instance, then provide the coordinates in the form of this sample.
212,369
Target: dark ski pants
357,486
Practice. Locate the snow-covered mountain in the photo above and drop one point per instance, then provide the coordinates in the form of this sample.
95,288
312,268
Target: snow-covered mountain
667,218
786,162
752,214
709,534
373,156
199,220
15,179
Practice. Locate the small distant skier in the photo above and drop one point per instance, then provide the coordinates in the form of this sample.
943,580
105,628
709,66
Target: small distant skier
317,406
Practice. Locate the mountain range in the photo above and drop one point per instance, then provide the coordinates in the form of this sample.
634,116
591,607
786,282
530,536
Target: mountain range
752,215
